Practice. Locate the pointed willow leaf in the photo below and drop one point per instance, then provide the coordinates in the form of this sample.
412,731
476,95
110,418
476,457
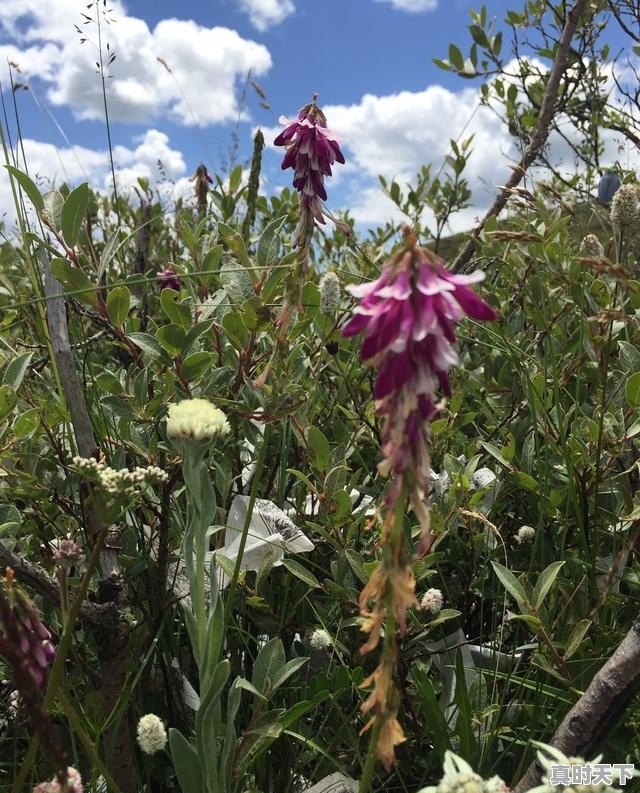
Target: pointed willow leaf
73,213
15,371
186,762
512,585
269,244
28,186
545,582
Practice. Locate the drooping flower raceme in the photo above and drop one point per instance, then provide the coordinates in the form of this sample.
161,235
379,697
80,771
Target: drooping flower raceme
32,636
311,151
408,316
169,279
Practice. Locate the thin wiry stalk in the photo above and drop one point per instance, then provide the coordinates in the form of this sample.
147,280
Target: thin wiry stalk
106,109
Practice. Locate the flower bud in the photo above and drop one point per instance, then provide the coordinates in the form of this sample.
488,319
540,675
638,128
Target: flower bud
329,294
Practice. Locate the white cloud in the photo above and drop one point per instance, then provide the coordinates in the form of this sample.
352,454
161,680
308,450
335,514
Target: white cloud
412,6
205,64
50,166
264,14
395,135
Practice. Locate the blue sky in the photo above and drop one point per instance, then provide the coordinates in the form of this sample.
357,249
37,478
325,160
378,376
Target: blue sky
370,61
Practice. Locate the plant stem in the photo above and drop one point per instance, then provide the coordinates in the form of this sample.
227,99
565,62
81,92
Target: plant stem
247,521
57,670
390,555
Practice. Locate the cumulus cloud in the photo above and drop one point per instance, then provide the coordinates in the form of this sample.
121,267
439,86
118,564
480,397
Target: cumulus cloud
395,135
264,14
178,69
412,6
50,166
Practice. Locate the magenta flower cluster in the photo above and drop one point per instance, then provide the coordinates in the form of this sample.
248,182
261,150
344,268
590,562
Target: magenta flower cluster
311,151
407,316
169,279
33,637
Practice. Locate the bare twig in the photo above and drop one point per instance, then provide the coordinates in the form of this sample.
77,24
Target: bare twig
539,137
595,714
33,576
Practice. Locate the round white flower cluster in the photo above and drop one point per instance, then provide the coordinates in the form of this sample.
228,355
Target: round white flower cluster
196,419
525,534
152,736
432,601
122,482
625,205
74,784
329,294
320,639
459,777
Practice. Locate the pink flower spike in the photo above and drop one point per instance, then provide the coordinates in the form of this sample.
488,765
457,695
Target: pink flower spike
407,316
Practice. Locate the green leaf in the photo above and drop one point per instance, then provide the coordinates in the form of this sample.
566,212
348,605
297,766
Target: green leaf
525,481
455,57
74,280
319,446
171,338
578,632
545,582
496,453
301,572
8,401
178,314
26,424
10,520
15,370
464,722
53,203
632,389
435,723
147,343
186,762
269,244
118,304
108,252
73,213
235,177
512,585
241,682
289,669
235,243
268,665
196,364
356,564
28,186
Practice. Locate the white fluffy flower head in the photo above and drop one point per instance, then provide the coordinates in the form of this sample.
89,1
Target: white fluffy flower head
320,639
553,759
329,293
432,601
459,777
152,736
591,246
196,419
525,534
625,205
74,784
